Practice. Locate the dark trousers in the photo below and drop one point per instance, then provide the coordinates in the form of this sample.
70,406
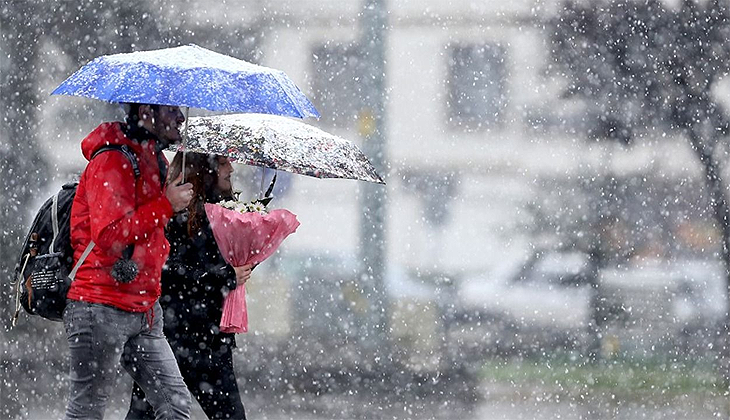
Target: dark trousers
209,375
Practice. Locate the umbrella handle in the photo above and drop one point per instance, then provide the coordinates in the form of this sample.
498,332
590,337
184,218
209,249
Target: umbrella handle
185,142
271,185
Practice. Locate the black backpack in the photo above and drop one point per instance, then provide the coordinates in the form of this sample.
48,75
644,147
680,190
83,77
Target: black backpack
44,270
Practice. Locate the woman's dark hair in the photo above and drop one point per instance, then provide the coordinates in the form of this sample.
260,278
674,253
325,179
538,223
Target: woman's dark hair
201,170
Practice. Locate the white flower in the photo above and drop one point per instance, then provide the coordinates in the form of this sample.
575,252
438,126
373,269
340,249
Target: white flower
253,206
259,207
241,207
229,204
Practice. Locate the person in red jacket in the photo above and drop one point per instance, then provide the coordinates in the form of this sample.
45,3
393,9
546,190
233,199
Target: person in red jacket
113,314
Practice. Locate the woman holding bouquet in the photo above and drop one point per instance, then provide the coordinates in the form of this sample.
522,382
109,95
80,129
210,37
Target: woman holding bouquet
195,281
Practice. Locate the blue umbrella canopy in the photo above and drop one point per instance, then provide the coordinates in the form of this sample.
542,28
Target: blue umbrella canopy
189,76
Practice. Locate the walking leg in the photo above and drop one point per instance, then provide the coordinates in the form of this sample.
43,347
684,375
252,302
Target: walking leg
150,361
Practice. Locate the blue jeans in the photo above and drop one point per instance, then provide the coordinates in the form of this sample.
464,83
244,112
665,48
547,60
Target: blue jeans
101,336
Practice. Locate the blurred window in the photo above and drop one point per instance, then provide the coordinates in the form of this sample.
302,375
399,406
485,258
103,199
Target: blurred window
336,82
476,87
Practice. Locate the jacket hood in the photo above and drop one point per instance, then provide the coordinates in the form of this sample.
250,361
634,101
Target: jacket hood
105,134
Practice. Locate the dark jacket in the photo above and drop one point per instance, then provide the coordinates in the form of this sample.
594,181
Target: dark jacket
195,281
115,210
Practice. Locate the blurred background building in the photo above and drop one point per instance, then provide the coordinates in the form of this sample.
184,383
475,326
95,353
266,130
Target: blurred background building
487,164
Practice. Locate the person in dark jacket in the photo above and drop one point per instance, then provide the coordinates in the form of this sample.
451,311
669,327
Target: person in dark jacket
119,218
195,281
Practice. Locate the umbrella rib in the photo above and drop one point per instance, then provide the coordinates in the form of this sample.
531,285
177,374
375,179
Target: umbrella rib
285,80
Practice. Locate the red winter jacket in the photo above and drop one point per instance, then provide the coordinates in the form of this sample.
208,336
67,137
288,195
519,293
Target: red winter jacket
114,209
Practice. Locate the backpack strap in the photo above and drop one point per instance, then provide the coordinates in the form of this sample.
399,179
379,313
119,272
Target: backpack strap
54,222
126,151
87,251
132,157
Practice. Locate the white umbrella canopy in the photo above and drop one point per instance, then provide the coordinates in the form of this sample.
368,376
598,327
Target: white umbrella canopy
280,143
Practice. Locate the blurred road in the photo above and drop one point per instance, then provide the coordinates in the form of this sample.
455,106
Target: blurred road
496,402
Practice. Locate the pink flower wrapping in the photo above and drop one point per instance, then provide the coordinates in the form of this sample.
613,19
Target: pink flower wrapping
246,238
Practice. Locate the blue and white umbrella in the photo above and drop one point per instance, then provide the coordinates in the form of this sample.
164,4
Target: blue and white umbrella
189,76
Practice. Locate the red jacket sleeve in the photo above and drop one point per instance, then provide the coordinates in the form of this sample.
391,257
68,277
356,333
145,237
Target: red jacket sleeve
111,194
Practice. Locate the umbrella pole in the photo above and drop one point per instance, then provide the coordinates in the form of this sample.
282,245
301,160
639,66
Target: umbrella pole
185,142
261,190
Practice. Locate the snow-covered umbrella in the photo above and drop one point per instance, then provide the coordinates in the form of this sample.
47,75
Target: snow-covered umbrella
279,143
188,76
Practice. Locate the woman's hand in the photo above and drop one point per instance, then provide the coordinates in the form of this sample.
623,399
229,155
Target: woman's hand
243,273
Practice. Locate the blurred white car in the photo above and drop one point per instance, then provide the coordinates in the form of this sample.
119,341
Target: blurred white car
547,290
695,289
670,305
545,300
540,301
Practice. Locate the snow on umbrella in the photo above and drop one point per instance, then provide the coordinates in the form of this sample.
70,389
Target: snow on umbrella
188,76
278,143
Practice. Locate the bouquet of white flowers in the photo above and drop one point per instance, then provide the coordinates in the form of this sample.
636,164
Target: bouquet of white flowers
246,233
